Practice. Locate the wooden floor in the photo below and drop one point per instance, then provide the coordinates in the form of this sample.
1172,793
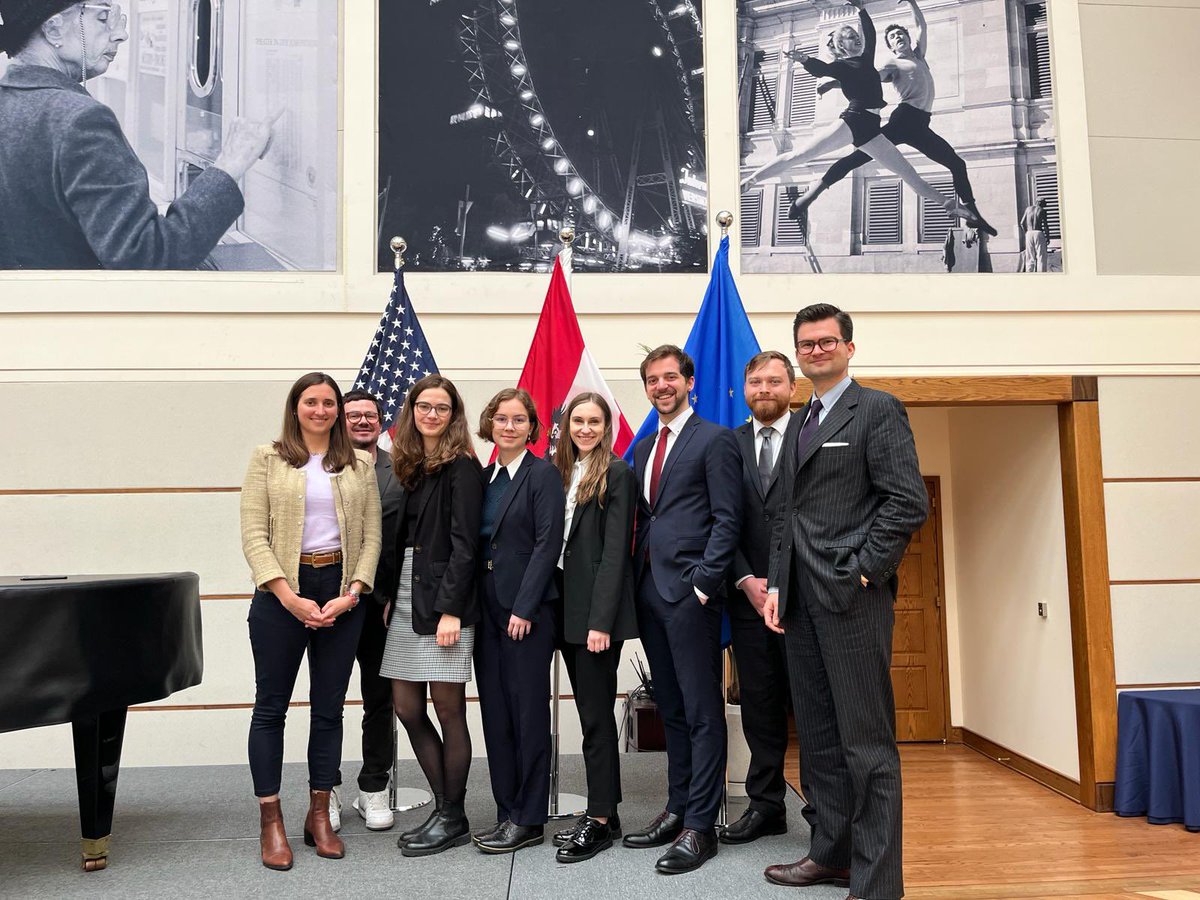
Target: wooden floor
978,831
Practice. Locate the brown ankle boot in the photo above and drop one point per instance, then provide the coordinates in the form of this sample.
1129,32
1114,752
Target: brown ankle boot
317,830
276,851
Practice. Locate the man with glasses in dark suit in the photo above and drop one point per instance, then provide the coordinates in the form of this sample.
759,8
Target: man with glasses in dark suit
856,497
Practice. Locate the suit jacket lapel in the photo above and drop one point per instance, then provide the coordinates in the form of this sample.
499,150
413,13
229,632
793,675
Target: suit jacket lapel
842,412
522,472
681,441
426,491
745,439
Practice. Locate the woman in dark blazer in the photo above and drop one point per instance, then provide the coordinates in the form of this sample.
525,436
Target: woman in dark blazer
430,555
520,538
595,576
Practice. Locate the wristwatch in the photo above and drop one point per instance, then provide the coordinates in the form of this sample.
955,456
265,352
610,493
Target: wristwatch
354,596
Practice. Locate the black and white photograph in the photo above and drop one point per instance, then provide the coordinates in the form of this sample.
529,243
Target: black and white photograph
503,121
169,134
910,136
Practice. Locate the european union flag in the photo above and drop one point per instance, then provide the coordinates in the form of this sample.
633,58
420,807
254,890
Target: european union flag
721,343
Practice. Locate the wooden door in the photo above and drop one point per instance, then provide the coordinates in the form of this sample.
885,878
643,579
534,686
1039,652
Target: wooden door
918,661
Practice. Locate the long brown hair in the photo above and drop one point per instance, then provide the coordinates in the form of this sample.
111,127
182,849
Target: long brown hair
291,444
594,482
409,459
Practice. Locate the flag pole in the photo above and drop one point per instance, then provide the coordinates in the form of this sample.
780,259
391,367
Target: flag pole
725,219
401,799
562,806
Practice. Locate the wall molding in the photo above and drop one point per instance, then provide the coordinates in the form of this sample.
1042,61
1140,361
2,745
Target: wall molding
1021,764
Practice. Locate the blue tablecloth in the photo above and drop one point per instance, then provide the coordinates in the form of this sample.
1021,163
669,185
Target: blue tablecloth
1158,756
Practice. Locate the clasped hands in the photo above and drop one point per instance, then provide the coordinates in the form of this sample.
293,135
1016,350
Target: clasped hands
314,615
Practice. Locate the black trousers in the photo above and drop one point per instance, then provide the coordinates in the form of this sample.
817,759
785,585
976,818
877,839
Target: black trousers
279,641
683,646
514,701
378,735
846,726
763,683
909,125
593,679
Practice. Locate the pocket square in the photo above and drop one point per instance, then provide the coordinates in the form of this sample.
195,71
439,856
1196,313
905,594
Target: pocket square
836,444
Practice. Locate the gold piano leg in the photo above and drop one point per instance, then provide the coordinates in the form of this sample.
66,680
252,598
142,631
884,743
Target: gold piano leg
95,853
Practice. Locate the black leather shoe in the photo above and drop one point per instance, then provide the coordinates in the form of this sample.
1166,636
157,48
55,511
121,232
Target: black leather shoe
691,850
751,826
563,835
510,836
589,839
449,828
664,829
483,833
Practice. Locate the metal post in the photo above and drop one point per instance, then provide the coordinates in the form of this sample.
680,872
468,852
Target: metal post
402,799
562,806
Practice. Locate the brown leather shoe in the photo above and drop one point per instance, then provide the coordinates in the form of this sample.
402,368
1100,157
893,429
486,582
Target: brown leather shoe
276,851
317,830
806,873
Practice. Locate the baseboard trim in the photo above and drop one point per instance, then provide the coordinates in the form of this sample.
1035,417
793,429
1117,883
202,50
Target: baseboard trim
1034,771
955,735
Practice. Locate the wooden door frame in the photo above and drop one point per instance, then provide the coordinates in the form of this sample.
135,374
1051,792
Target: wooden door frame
1076,399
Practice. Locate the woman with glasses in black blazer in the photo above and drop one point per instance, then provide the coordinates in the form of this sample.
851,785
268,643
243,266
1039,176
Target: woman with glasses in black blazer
520,541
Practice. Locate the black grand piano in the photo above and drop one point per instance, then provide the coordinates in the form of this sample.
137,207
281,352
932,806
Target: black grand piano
83,649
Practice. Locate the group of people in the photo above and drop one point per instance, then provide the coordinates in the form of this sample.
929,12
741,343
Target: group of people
794,522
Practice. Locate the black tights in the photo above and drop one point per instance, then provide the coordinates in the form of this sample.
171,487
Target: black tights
446,758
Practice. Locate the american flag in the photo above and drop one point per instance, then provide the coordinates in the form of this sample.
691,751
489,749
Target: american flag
398,356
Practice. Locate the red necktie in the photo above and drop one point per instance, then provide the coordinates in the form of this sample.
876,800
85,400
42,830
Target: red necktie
660,454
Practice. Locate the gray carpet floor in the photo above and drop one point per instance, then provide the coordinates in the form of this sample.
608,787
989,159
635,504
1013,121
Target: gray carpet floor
183,832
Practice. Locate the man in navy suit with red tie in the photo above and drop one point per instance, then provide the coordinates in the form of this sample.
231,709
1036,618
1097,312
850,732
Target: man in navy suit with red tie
689,511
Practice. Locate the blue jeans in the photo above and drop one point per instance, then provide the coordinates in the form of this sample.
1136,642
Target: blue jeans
279,641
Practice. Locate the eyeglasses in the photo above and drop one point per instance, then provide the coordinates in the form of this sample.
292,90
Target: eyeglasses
505,421
827,345
368,417
423,409
110,15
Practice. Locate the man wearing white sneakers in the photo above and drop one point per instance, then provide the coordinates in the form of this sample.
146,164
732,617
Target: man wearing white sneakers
364,425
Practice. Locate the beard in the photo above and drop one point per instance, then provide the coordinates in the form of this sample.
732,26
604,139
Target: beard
363,443
768,409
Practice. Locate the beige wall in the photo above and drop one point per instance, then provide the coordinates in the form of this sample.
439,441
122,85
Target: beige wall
1018,686
1150,441
149,380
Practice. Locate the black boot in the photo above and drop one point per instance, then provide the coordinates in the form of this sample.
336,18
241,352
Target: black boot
407,836
448,828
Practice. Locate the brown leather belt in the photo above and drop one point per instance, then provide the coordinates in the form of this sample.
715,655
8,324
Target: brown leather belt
317,560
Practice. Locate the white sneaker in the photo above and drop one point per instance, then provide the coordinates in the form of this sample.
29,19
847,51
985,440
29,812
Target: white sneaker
373,807
335,810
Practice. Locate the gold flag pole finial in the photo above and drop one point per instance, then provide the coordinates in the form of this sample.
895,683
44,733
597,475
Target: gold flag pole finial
566,234
724,219
398,245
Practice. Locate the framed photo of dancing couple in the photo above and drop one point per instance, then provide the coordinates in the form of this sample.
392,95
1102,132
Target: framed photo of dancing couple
501,121
879,136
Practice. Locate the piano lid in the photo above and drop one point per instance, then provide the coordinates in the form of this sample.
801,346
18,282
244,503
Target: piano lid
77,645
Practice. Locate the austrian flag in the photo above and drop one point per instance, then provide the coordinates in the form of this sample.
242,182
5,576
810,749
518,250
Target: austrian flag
559,366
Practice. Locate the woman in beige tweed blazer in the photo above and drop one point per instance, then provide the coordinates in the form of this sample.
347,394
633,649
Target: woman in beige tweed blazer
311,533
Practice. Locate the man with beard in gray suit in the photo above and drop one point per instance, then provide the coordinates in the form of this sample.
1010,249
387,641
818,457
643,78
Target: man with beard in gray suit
856,498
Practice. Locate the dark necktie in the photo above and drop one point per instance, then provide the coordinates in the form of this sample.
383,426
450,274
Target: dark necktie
764,458
660,454
811,424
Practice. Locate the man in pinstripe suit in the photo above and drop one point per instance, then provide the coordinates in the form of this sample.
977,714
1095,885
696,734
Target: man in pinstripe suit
850,469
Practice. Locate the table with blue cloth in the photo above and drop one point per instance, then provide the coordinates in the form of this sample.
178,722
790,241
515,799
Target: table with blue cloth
1158,756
